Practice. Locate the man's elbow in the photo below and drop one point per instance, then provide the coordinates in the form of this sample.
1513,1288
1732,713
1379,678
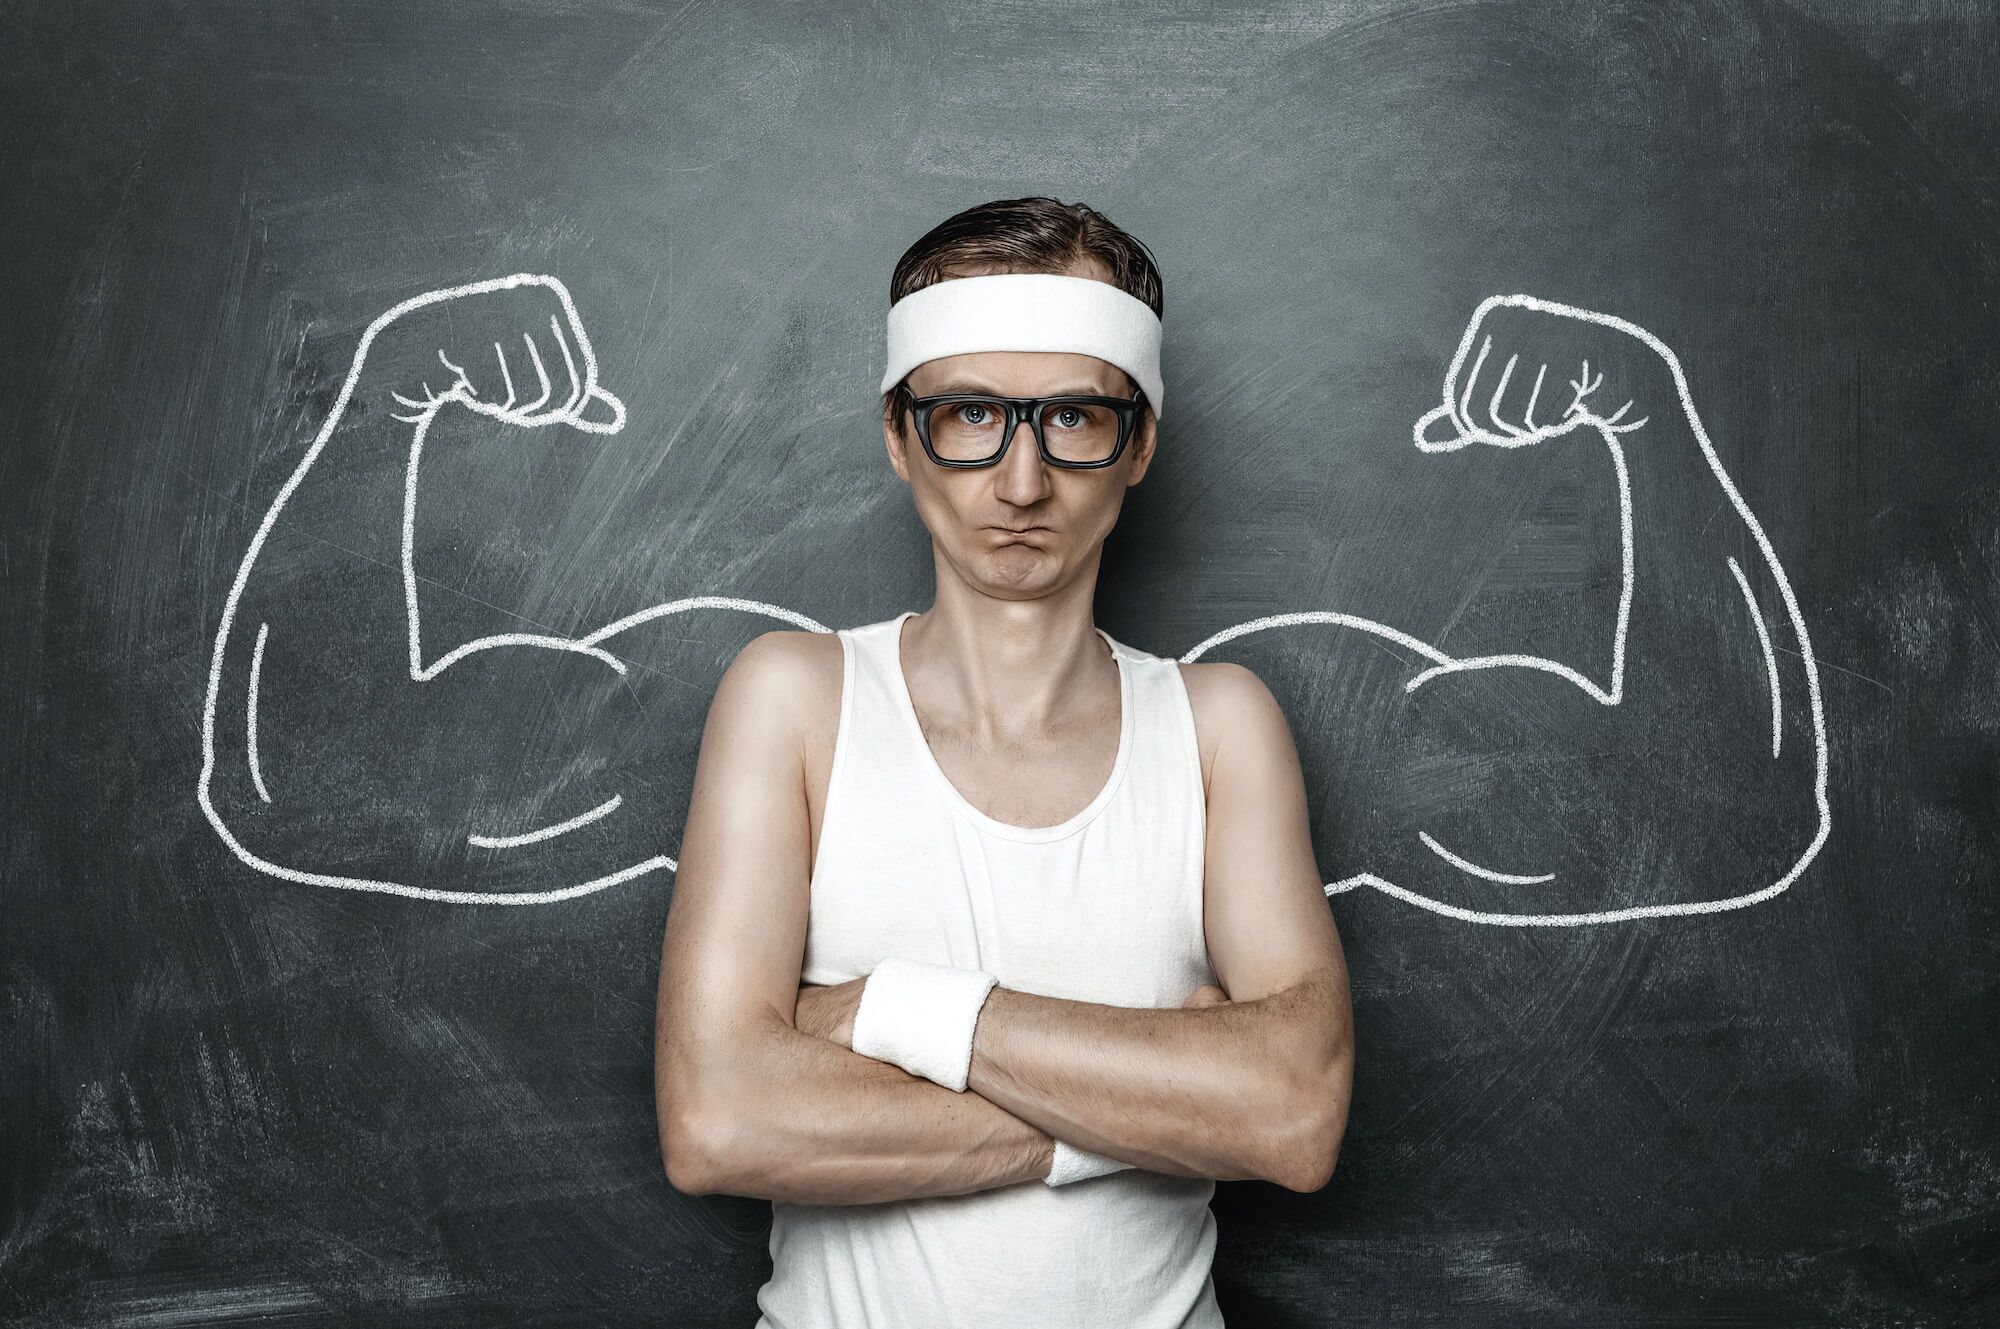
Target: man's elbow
692,1147
1312,1161
706,1089
1313,1119
1310,1149
687,1171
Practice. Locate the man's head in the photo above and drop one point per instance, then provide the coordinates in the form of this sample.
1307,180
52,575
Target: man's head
974,512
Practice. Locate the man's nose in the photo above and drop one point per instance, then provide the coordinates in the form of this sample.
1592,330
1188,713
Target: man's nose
1023,475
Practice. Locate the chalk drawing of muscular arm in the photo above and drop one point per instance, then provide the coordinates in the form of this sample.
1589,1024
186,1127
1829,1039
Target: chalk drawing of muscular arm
1679,764
1676,765
341,746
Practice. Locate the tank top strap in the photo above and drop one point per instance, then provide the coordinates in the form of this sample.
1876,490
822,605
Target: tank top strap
1166,752
872,691
872,750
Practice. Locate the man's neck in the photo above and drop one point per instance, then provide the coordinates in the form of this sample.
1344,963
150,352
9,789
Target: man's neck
1004,667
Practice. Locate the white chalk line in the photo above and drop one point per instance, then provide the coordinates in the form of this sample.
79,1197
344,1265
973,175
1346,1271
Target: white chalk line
1458,412
1457,409
604,809
1477,871
1770,657
1471,432
571,415
1270,621
413,618
1627,579
703,602
250,713
445,897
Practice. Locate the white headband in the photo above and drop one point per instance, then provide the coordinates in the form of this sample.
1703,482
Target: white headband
1027,311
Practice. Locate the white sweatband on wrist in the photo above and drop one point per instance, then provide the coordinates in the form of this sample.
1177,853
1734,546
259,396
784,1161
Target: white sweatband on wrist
920,1016
1073,1164
1027,311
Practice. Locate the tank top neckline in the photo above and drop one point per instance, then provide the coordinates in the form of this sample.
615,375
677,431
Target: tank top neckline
958,802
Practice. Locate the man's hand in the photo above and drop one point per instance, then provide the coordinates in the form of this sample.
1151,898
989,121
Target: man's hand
827,1011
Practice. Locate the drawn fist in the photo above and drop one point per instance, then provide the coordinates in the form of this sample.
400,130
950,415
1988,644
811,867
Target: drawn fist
1530,369
512,348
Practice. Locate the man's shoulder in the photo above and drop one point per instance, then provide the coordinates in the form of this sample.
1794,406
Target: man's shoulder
789,659
791,649
1224,689
1229,702
794,673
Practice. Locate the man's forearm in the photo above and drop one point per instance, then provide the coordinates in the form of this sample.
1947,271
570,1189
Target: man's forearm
808,1121
1253,1089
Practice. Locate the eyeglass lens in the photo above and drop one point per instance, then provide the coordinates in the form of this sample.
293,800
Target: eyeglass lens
1076,431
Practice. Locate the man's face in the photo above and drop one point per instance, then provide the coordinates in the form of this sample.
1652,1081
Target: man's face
969,511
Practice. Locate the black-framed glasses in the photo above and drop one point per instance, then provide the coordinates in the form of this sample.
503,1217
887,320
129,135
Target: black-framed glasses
968,429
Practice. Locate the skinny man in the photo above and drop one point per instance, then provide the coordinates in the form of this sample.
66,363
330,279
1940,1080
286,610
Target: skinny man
996,942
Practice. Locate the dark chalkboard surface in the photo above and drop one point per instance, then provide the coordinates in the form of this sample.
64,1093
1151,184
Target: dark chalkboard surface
347,739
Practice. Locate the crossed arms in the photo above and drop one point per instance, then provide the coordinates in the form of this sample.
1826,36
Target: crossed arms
759,1093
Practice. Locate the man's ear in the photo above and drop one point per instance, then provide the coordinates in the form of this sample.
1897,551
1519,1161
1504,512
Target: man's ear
897,446
1145,435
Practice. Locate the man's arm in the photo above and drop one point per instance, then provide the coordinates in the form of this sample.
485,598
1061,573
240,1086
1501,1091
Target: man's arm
747,1103
1257,1086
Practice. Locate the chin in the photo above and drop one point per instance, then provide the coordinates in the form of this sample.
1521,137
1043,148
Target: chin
1006,569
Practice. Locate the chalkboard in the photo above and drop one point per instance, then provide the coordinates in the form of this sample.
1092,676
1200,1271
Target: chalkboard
348,736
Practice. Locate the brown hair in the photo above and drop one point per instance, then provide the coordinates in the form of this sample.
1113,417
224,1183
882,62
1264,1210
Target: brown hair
1024,235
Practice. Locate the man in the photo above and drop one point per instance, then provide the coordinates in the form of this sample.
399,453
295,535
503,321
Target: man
995,942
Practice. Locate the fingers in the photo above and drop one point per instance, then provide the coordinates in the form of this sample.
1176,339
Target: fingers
578,389
539,371
1611,421
1498,403
1462,410
577,385
1477,420
420,410
463,385
1491,396
1493,406
1528,416
1502,419
501,356
1584,387
563,389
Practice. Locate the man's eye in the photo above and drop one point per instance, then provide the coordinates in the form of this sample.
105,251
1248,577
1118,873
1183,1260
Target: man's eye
973,414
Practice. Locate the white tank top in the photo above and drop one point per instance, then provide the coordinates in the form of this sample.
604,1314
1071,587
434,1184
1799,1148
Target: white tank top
1103,907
